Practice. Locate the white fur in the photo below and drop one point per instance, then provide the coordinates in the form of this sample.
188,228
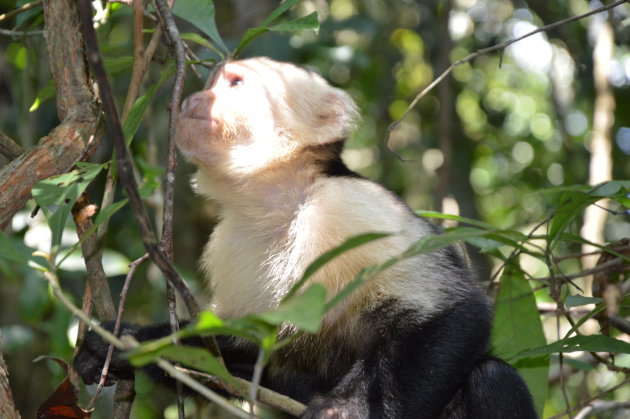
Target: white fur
256,148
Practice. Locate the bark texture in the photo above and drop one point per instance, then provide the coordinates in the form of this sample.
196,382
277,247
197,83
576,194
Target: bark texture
80,130
7,408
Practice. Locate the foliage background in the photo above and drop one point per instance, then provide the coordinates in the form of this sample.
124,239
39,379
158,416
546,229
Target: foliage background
485,144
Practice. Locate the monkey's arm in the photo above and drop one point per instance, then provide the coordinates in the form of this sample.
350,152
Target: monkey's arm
238,354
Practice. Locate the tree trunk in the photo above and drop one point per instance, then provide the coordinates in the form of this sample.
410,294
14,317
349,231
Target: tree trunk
80,131
7,408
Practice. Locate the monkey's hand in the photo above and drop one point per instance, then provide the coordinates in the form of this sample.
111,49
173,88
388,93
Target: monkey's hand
91,357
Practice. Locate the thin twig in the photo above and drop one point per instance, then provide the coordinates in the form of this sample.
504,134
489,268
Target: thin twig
191,56
20,34
20,9
105,334
201,389
579,255
138,69
601,406
620,323
125,166
257,376
500,47
110,181
587,402
176,97
599,268
241,388
517,250
121,308
166,242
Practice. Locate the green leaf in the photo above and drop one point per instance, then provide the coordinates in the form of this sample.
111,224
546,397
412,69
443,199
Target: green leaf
517,327
346,246
304,23
200,13
279,10
425,245
572,203
459,219
577,364
248,37
598,309
57,195
47,92
102,216
592,343
140,106
198,39
304,310
248,327
580,300
27,14
433,242
308,22
611,188
208,320
198,358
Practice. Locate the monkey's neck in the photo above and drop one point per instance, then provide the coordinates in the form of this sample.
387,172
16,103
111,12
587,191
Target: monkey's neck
277,191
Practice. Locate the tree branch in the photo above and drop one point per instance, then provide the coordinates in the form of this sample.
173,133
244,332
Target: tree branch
9,148
125,165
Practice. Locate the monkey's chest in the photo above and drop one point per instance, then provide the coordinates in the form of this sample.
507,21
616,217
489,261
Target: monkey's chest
248,272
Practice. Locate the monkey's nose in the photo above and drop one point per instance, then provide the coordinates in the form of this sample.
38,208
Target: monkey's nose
194,100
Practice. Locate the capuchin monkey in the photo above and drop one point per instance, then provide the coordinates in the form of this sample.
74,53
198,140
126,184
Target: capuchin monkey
412,343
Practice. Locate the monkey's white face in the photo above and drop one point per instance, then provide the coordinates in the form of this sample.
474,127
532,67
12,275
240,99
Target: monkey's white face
256,112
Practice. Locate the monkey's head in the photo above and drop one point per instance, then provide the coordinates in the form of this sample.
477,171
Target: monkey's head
257,112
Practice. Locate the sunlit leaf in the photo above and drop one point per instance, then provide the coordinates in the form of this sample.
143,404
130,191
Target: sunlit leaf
57,195
460,219
47,92
208,320
304,310
102,216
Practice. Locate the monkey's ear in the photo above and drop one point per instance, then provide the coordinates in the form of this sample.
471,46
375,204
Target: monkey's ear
336,117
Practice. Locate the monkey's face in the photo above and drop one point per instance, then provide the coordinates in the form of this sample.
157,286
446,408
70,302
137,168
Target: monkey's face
257,112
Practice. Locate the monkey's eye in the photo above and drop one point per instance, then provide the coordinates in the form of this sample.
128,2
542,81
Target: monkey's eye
234,81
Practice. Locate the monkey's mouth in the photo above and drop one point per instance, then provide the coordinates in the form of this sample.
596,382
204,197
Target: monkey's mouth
197,117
